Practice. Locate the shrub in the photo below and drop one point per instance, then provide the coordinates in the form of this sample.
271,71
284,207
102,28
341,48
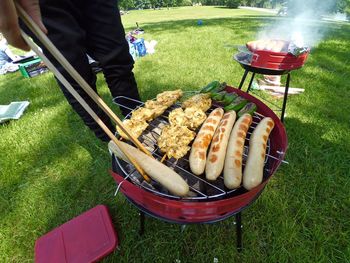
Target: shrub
186,3
233,3
347,12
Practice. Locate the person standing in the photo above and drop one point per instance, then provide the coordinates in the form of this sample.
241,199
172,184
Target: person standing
78,28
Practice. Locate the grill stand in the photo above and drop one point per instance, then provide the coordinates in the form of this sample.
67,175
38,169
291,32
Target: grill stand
238,224
267,72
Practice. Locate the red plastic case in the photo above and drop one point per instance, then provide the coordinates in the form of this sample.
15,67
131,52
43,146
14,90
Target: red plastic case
86,238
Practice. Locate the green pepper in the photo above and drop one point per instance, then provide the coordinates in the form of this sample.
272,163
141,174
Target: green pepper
218,96
249,108
210,87
214,86
221,87
229,98
236,105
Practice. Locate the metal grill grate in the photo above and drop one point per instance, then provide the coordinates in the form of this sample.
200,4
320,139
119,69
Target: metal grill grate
200,188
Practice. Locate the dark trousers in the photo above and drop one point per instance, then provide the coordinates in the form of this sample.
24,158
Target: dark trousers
93,27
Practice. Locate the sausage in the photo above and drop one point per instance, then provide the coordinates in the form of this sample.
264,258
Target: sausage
155,169
251,45
254,168
234,153
261,44
198,155
217,152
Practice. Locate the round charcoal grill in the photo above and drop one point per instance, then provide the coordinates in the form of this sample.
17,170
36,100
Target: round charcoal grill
208,201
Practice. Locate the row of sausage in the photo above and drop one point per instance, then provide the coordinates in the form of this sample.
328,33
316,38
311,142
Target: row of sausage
226,138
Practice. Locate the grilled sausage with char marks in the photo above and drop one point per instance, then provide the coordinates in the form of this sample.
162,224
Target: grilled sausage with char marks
198,155
254,168
217,152
234,153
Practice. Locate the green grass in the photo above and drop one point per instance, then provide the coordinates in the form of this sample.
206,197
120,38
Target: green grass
52,168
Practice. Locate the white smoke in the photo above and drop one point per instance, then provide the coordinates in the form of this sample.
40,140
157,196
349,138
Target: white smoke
304,28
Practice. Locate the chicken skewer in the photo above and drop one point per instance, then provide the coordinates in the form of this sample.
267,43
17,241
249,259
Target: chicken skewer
175,138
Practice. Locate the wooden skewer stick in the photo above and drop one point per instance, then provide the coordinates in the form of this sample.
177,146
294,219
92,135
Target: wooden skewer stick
163,158
84,104
75,75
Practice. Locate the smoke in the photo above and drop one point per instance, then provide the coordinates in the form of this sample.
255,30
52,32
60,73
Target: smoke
302,24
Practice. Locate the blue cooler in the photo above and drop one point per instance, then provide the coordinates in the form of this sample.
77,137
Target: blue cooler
140,47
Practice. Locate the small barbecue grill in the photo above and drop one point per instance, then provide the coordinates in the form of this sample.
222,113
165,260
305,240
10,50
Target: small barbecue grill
208,201
268,62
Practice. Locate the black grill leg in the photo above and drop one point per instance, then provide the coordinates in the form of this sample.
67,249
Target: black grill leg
243,79
142,223
239,231
285,98
251,82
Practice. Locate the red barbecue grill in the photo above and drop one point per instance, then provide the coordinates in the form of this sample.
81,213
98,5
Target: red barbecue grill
209,201
267,62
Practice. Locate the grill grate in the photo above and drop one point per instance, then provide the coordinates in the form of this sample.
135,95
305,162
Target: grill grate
200,188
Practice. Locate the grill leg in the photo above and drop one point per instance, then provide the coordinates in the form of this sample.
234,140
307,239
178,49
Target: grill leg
243,79
142,223
250,82
285,97
239,231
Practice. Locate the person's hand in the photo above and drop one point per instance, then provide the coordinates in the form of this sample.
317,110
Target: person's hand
9,20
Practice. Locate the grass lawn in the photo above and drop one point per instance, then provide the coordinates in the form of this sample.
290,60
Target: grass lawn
52,168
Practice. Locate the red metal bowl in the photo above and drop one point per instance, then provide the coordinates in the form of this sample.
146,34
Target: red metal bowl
277,60
181,211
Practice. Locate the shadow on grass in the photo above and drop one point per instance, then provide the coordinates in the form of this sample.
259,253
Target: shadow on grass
228,23
41,91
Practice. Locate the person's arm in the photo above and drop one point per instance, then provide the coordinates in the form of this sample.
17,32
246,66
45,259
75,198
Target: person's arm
9,20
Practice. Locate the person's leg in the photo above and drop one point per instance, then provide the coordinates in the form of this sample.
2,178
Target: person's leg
106,42
61,18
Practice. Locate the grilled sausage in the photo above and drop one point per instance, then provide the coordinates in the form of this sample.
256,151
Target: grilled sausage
217,152
155,169
254,168
234,153
198,155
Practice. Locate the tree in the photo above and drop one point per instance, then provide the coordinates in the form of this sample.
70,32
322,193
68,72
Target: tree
263,3
346,8
126,4
233,3
169,3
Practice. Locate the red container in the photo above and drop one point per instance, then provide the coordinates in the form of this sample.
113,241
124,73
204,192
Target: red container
86,238
277,60
187,211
